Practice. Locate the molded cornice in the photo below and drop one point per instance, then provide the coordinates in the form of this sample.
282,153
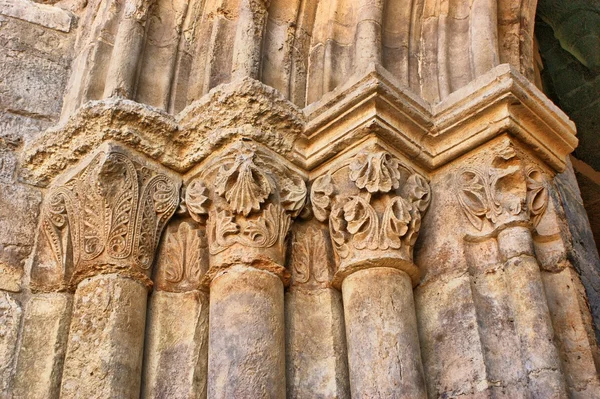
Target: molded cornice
369,106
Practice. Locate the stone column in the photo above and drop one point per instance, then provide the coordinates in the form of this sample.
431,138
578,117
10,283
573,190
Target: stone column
48,311
317,364
115,205
248,197
374,206
503,198
176,351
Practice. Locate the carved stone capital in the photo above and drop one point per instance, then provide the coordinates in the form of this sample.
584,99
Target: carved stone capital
248,197
500,188
106,216
373,204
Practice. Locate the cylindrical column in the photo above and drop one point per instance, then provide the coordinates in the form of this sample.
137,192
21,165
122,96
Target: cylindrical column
368,34
246,349
106,339
247,44
531,315
384,355
121,76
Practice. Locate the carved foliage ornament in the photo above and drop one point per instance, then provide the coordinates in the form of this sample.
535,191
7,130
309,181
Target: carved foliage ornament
310,261
184,251
383,213
110,213
503,192
253,202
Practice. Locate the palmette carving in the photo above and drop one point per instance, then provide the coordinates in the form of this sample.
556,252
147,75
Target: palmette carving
184,255
310,262
505,191
250,206
110,215
381,213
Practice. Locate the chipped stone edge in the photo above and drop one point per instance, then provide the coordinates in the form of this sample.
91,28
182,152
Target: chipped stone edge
39,14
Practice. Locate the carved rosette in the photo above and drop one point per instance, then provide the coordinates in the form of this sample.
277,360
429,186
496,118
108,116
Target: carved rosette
374,206
248,198
504,191
107,218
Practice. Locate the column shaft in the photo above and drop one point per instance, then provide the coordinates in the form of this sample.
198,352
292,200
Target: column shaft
246,350
530,311
106,339
384,355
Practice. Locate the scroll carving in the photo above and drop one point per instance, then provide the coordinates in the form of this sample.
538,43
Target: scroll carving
109,216
505,191
381,212
248,199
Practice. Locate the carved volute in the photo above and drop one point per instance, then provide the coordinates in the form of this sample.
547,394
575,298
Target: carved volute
373,205
248,198
501,189
108,217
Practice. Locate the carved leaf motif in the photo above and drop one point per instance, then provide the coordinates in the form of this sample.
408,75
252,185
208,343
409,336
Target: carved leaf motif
244,185
264,232
537,194
184,254
337,228
119,179
321,192
419,192
377,172
301,259
363,223
196,199
309,257
222,231
159,201
473,196
396,219
94,211
293,194
55,222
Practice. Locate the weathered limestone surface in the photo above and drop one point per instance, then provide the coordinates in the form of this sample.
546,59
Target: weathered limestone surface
316,364
387,343
177,345
246,355
280,198
106,337
43,345
10,319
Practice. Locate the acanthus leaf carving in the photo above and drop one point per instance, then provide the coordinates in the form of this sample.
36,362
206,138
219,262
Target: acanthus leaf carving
362,222
375,171
501,192
321,192
254,199
537,194
310,260
196,199
383,212
396,221
184,255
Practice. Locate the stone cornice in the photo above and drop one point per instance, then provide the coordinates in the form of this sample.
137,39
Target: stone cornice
372,105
